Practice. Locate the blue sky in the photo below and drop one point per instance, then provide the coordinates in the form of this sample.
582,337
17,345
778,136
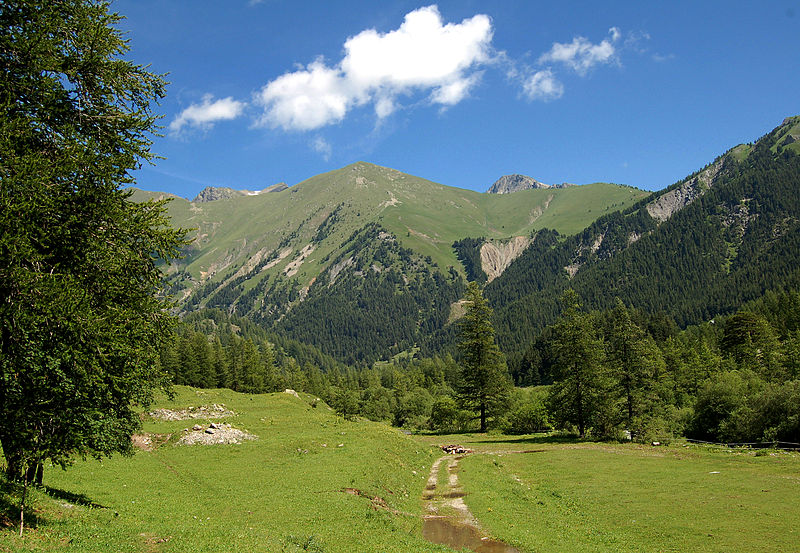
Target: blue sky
638,93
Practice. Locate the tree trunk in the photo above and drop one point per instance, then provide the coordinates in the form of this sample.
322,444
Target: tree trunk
22,504
581,423
35,473
483,417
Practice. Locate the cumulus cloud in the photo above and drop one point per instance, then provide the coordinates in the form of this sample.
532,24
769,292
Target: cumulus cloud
306,99
581,55
205,114
423,55
543,85
540,82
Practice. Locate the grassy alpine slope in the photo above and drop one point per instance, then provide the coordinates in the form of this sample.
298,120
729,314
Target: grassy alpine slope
312,481
425,216
285,491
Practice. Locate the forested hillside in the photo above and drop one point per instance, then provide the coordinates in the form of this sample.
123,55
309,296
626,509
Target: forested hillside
702,247
359,261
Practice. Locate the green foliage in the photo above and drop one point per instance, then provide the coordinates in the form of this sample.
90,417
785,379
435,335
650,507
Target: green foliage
579,395
484,382
376,300
751,342
635,363
529,418
718,399
80,264
468,251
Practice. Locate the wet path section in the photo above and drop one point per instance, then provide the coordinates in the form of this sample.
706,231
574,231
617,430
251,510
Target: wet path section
448,521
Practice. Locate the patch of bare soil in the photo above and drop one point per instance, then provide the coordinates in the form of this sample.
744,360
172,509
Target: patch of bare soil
212,411
154,542
214,434
149,442
449,521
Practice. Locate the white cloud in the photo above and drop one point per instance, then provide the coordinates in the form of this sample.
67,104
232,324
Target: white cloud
306,99
323,147
581,55
207,113
659,58
543,85
422,55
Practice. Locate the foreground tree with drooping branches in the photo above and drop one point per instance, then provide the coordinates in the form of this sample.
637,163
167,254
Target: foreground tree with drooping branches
81,304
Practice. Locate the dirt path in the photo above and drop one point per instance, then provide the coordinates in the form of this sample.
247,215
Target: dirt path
448,520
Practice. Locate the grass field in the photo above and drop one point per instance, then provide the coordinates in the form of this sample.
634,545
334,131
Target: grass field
597,498
281,492
312,481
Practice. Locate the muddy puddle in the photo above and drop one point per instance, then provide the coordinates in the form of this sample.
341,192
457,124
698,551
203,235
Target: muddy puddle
444,531
459,529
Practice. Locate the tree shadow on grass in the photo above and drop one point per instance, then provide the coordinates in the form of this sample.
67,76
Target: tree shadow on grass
73,498
523,440
10,495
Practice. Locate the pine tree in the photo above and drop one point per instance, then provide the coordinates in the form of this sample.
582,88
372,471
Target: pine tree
485,382
634,361
580,394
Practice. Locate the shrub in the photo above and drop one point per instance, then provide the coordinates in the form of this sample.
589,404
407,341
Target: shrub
529,418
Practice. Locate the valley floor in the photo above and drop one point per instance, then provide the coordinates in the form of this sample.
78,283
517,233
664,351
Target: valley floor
311,481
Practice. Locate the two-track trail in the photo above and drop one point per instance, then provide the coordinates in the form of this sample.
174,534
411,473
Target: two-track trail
448,520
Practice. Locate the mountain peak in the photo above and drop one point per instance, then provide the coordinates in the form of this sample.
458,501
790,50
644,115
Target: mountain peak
513,183
214,193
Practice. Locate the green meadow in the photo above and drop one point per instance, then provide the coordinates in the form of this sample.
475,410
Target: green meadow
313,481
550,497
307,483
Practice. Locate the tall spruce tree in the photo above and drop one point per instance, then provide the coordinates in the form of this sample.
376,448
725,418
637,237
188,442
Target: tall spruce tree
579,394
634,360
485,382
81,310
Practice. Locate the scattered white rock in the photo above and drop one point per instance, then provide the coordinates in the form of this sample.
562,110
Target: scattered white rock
212,411
222,434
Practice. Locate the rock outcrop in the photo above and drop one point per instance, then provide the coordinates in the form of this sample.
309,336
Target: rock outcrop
663,207
496,256
214,193
514,183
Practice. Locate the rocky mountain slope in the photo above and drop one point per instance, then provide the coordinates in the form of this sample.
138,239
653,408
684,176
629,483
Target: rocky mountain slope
278,257
214,193
514,183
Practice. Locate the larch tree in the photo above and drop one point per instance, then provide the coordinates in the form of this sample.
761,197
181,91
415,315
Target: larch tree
579,395
82,310
485,382
634,360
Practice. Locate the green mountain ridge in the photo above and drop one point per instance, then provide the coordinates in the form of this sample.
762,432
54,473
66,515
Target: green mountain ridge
366,262
265,255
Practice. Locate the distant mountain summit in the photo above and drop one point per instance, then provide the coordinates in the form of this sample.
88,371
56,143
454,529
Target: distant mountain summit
514,183
214,193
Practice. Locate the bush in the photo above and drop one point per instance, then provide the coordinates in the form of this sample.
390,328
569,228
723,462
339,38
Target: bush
719,399
444,414
529,418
